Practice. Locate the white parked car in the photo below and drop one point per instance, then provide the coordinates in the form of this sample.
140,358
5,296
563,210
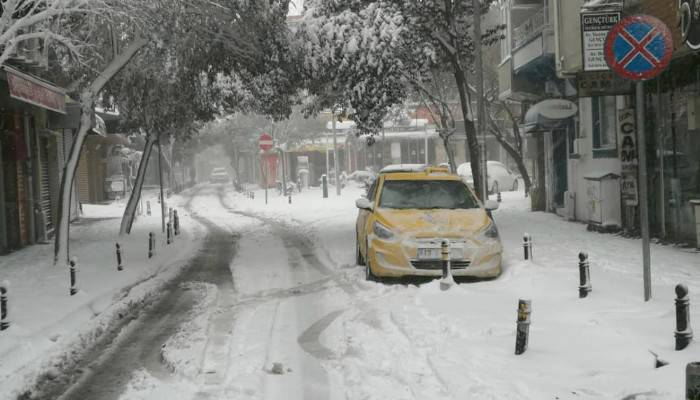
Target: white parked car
500,178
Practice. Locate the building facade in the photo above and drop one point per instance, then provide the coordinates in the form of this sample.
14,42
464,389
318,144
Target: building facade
34,143
588,163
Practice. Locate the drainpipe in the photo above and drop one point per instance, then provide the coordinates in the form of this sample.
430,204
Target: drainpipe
30,179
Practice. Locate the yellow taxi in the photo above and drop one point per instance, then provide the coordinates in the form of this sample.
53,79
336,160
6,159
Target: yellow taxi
407,214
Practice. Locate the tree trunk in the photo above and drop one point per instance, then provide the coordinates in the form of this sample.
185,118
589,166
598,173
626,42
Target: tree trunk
87,100
518,160
69,170
132,204
160,182
472,144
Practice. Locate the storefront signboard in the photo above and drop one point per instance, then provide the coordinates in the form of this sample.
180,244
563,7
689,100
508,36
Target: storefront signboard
33,91
594,29
602,83
626,133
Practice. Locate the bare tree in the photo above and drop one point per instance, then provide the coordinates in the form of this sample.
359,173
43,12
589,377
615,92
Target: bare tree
32,25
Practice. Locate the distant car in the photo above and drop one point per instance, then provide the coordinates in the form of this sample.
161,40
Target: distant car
500,178
407,214
219,175
362,176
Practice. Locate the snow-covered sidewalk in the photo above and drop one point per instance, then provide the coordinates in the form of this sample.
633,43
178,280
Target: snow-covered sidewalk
47,324
417,342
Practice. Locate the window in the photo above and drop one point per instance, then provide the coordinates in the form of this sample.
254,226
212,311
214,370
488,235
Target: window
423,194
604,116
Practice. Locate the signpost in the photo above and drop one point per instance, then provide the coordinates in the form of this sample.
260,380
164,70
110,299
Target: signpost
265,142
638,48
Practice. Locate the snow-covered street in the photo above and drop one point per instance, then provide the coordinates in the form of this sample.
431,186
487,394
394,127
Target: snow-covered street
273,306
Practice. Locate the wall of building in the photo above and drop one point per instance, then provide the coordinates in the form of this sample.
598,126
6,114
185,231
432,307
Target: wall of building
587,165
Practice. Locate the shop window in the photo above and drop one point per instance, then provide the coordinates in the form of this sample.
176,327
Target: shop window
604,115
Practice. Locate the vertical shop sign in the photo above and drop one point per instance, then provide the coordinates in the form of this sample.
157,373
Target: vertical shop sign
626,132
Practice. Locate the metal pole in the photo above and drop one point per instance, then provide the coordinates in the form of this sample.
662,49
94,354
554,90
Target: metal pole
284,172
479,77
643,205
335,156
661,122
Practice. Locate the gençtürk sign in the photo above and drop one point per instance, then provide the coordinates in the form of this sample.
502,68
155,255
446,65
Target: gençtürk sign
594,29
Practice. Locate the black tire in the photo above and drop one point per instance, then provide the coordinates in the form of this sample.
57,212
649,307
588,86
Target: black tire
369,275
515,185
359,260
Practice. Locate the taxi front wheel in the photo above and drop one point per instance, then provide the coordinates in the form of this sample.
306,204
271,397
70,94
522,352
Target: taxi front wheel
369,275
359,260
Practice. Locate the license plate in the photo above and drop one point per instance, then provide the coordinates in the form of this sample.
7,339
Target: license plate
456,253
429,254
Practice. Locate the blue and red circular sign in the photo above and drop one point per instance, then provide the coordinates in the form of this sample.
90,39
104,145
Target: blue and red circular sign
639,47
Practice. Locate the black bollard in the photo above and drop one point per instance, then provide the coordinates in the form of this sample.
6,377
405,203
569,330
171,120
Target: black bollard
324,182
684,334
498,197
73,285
151,244
4,320
290,199
148,208
120,267
523,330
176,222
169,232
584,275
445,257
527,246
692,381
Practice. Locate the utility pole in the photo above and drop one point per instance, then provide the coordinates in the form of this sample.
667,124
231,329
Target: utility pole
479,121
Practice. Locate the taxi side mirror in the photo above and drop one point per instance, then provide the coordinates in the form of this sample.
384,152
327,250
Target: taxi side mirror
364,204
491,205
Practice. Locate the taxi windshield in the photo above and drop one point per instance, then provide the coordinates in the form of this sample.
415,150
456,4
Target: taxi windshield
426,194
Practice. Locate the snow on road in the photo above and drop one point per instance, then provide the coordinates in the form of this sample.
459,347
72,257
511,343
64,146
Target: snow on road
409,342
307,326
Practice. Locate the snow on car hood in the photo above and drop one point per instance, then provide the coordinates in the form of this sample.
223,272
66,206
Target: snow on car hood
429,222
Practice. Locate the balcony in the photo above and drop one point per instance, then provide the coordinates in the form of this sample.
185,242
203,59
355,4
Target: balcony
530,28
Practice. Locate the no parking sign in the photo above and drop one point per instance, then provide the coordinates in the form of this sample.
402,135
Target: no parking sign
639,47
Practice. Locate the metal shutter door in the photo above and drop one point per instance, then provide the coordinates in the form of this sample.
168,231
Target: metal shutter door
45,184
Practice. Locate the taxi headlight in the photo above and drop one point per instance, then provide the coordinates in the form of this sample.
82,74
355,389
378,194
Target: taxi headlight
382,231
